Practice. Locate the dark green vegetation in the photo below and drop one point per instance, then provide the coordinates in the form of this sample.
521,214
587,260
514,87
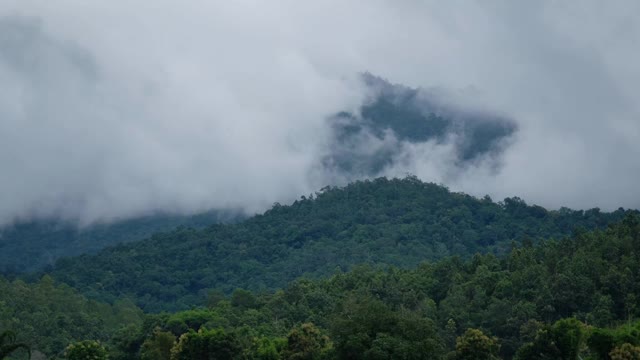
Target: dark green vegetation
400,222
573,298
8,345
30,246
86,350
49,316
520,300
395,116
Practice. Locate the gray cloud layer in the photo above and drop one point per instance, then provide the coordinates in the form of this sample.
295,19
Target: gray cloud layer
112,109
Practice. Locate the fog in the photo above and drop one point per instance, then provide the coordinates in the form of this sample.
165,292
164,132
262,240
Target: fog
116,109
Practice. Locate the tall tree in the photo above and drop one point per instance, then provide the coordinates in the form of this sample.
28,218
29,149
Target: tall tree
475,345
85,350
8,344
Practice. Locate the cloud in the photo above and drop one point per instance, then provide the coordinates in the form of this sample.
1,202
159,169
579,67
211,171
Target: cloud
395,121
113,109
88,135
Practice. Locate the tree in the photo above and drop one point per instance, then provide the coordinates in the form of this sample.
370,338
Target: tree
87,349
243,299
625,352
542,348
269,349
563,340
475,345
569,337
206,345
601,342
8,344
158,347
306,342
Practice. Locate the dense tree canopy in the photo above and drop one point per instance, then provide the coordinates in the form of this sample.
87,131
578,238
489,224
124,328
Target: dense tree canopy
34,245
400,222
49,316
86,350
561,299
9,346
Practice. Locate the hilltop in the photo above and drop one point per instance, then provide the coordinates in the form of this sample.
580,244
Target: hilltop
400,222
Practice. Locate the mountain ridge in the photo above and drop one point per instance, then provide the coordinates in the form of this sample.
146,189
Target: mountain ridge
400,222
34,245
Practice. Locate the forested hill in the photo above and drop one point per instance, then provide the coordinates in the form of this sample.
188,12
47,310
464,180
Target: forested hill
574,298
569,299
384,222
33,245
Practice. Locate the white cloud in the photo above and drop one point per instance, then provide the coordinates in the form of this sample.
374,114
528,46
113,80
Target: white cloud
118,108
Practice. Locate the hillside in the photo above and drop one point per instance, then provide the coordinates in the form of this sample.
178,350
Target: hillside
34,245
555,300
48,315
399,222
574,298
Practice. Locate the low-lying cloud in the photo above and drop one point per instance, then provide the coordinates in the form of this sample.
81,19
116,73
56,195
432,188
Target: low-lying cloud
395,120
115,109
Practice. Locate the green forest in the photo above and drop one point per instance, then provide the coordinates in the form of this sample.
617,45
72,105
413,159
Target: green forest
30,246
380,269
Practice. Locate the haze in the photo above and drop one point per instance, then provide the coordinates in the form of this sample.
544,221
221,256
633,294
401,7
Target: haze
116,109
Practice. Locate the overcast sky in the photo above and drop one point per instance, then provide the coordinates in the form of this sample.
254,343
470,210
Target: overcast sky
118,108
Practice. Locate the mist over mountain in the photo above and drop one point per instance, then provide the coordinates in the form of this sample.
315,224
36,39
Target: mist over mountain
110,112
394,118
376,140
379,136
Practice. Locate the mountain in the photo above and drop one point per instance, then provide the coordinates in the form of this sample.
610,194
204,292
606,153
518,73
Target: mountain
400,222
363,144
36,244
395,117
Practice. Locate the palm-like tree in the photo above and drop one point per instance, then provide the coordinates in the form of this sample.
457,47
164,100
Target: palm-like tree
8,344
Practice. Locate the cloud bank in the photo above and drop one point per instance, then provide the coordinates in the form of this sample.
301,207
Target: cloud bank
115,109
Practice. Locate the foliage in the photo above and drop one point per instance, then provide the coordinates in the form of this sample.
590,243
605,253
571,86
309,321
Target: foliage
306,342
564,340
86,350
8,344
532,302
206,345
35,245
518,301
625,352
475,345
602,342
50,315
158,347
528,299
400,222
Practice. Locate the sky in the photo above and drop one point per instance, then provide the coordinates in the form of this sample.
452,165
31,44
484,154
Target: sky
113,109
